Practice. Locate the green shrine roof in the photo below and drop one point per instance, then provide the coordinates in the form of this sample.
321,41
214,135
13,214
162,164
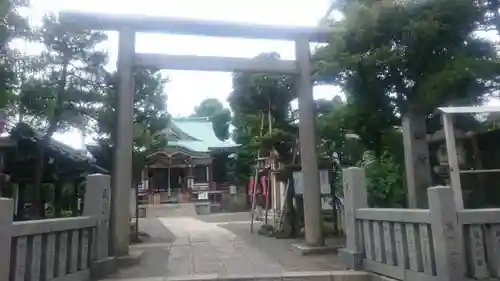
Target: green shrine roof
195,134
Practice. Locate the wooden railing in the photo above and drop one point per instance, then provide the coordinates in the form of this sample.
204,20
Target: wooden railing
52,248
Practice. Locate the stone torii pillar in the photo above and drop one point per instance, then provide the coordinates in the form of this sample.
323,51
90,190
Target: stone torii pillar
308,149
122,158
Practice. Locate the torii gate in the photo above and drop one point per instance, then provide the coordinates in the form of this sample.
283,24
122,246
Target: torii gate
128,25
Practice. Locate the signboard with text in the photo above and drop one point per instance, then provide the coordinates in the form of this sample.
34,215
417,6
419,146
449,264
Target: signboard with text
324,182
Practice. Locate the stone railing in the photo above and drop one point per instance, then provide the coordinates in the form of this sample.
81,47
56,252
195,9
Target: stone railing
397,242
481,230
53,248
439,243
57,249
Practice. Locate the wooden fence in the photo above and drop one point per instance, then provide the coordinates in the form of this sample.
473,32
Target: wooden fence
56,249
435,244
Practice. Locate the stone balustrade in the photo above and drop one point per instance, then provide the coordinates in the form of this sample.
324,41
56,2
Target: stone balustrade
436,244
56,249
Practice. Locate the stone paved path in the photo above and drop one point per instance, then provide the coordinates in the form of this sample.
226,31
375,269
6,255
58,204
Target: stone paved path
182,246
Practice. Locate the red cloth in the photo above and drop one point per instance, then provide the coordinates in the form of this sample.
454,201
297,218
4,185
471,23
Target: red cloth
263,182
250,186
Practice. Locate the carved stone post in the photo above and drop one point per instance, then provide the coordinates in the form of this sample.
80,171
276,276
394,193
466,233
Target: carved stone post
417,165
6,214
355,197
446,234
97,204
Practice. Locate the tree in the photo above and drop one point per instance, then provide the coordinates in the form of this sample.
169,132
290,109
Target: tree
404,59
491,11
221,117
336,145
12,26
63,90
208,108
262,116
150,119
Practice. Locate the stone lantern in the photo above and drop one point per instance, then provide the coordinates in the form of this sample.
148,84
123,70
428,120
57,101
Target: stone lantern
439,140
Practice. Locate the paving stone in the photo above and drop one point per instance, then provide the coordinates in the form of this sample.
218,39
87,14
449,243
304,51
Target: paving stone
204,250
194,277
252,277
306,276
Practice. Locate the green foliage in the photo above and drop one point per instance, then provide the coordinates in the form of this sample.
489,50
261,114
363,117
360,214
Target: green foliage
262,116
12,26
220,116
59,87
62,87
391,57
385,181
490,9
150,118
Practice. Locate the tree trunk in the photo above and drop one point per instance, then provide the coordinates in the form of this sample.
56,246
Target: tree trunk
417,165
38,207
58,186
44,142
21,189
74,199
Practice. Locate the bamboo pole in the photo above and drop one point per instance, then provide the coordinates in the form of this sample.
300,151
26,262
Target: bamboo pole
256,174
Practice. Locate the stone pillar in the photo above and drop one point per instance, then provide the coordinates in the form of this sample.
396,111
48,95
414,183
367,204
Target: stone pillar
446,234
417,165
209,174
6,214
122,168
97,204
190,177
133,202
451,151
355,197
307,135
169,181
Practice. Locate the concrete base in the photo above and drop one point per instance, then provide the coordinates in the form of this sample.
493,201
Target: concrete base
203,208
306,250
285,276
102,268
133,258
350,259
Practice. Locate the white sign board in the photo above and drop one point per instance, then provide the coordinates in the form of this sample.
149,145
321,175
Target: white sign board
324,182
203,196
233,190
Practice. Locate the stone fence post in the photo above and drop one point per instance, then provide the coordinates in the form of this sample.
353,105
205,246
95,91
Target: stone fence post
97,204
6,214
355,197
446,234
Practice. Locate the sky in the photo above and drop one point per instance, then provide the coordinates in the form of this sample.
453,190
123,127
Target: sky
187,89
